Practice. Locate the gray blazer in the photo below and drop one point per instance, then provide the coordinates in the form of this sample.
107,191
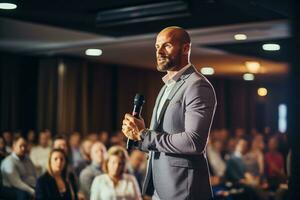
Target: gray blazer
177,166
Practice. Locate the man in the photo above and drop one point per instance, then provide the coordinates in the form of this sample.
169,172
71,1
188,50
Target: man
39,154
18,171
87,175
182,116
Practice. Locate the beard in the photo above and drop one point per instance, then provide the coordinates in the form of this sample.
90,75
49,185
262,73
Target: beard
167,64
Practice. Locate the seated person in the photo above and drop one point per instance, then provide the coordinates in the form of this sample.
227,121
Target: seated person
54,184
18,171
87,175
114,183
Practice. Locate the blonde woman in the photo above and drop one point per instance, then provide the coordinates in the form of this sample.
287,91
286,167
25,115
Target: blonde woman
53,184
115,184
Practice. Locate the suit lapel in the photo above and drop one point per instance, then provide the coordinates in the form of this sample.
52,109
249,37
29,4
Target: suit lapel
170,96
176,87
153,119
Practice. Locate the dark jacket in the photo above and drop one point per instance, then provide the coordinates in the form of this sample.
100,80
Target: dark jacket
46,189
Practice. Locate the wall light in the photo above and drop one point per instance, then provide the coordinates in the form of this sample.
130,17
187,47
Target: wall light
262,91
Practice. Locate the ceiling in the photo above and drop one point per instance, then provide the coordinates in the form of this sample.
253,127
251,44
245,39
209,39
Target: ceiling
125,30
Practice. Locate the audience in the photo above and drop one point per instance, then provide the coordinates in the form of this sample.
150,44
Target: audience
54,183
115,183
18,171
87,175
244,166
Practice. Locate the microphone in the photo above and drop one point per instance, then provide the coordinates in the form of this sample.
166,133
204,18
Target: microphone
138,102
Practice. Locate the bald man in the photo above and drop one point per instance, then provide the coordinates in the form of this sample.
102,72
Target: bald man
180,125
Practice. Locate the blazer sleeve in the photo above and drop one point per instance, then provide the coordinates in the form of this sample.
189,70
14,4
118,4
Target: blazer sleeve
40,190
200,103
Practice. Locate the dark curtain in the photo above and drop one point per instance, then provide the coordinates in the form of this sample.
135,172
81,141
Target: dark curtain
47,94
18,88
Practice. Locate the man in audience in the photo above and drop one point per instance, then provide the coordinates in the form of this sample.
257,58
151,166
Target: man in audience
74,142
216,161
7,135
85,151
136,160
39,154
87,175
18,171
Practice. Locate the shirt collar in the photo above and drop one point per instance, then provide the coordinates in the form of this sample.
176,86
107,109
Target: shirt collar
17,157
169,80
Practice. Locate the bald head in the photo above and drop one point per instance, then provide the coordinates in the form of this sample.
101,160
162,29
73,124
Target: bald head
177,33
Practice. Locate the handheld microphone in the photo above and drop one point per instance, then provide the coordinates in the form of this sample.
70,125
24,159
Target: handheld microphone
138,102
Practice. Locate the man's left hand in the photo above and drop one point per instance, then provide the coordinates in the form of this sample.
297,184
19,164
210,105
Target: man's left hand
132,127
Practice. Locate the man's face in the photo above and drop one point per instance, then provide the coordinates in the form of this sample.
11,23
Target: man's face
43,139
60,144
98,153
20,147
137,158
168,52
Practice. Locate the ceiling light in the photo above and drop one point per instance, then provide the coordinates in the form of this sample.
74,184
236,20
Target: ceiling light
93,52
252,66
271,47
8,6
207,70
248,77
240,37
262,91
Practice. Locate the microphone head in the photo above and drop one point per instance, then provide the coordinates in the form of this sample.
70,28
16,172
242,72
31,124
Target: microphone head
139,100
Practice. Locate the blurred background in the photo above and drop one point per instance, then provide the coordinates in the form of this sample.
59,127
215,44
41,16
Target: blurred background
74,67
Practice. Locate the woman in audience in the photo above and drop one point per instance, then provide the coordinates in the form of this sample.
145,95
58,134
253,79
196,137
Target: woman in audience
115,184
274,164
54,184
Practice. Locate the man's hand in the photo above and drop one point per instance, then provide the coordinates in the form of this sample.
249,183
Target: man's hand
132,127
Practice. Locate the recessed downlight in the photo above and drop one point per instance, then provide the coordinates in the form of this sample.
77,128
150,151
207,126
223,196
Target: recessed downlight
93,52
8,6
271,47
240,36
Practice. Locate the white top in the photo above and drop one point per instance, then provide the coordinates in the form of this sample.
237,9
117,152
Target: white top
103,188
39,156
